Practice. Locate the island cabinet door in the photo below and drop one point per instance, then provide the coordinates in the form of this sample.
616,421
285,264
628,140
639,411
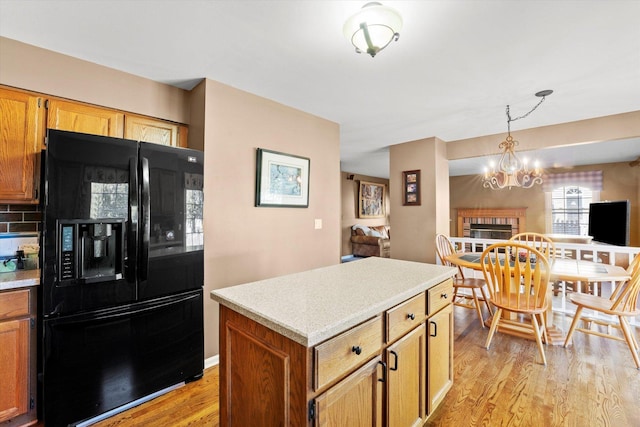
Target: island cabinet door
406,380
439,356
355,401
262,375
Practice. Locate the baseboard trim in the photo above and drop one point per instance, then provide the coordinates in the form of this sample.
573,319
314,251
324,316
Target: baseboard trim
211,361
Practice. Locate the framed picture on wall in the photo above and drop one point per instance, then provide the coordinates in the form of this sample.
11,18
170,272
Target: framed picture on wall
411,185
282,180
371,197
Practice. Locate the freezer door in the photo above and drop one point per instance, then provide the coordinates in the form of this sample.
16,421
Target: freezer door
171,216
96,362
88,255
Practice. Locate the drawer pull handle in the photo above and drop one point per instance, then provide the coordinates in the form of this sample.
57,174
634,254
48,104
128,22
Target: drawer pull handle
445,296
384,372
356,349
411,316
395,365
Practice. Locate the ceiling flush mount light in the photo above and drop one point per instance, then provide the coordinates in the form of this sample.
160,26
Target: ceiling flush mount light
511,171
373,28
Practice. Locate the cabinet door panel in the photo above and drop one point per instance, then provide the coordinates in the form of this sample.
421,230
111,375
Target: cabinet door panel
439,356
20,134
355,401
76,117
150,130
406,380
14,354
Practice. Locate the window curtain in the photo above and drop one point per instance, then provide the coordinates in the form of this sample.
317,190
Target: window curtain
589,179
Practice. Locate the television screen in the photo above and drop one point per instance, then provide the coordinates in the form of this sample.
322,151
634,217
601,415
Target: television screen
609,222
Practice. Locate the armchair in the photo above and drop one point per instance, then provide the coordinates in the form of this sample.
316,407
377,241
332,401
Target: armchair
371,241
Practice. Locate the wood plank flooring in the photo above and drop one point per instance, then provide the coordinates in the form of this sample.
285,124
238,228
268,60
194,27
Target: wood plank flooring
593,383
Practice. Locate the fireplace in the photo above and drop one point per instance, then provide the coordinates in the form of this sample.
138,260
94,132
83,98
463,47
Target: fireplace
502,222
491,231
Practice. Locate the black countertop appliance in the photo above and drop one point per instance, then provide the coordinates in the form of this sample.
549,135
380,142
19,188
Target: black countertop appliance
121,298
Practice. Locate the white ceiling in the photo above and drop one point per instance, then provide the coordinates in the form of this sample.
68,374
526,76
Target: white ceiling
458,63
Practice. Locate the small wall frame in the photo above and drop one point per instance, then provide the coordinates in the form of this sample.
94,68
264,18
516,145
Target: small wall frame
411,188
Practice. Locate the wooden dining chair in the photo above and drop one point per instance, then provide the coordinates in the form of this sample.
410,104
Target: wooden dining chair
517,275
545,245
539,241
472,300
622,304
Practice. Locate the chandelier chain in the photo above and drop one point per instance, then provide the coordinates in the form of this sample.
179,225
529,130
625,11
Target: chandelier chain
509,119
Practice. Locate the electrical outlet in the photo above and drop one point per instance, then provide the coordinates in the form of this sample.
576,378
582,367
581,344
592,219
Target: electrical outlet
318,224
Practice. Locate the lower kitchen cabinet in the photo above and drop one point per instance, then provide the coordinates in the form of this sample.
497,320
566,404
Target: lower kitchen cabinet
17,358
354,401
407,373
439,356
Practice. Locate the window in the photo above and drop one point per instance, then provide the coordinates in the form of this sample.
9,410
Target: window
570,210
567,199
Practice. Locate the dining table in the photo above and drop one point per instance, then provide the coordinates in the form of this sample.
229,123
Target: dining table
562,269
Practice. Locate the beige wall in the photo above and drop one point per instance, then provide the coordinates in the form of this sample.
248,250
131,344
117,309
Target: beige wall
349,189
414,227
242,242
620,182
28,67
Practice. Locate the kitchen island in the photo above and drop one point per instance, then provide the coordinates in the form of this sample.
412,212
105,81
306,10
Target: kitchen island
363,343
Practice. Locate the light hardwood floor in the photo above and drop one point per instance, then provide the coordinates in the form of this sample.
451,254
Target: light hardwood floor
593,383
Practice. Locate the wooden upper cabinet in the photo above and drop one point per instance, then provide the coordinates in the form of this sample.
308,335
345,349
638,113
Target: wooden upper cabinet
157,131
21,136
77,117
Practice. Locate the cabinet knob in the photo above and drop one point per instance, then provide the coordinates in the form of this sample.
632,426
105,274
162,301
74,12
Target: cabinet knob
356,349
411,316
445,296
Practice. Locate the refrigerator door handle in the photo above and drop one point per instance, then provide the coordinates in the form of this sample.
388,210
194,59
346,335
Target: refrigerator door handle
132,232
145,217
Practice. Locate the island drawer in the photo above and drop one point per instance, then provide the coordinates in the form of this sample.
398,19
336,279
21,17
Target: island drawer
405,316
14,304
439,296
347,351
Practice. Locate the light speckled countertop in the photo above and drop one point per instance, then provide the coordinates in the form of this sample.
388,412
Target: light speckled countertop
314,305
19,279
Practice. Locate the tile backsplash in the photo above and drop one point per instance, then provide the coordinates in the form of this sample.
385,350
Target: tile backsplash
20,218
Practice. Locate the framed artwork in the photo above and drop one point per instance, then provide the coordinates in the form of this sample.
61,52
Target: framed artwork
371,199
282,180
411,185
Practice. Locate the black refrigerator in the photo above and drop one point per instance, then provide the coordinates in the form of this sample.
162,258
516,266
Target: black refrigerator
121,298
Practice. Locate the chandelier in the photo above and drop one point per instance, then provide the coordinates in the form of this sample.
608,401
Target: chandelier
510,170
372,28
